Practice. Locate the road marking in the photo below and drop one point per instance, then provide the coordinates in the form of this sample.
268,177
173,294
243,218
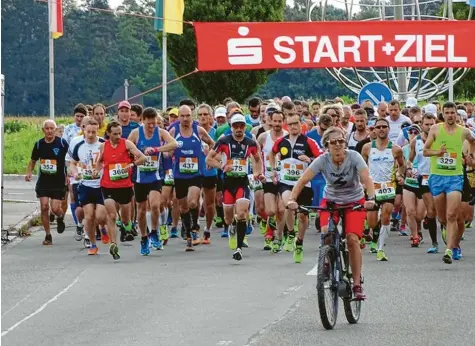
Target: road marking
19,201
224,343
314,270
291,290
15,193
42,307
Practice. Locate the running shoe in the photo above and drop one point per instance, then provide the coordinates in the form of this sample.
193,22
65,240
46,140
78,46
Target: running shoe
444,234
60,224
232,237
276,245
249,228
267,243
218,222
237,255
373,247
263,227
189,245
173,233
196,238
134,230
164,234
468,224
144,246
403,232
434,248
415,242
456,253
48,240
51,217
289,244
114,251
298,252
245,242
358,293
447,256
79,234
381,256
93,250
155,241
87,243
206,237
104,236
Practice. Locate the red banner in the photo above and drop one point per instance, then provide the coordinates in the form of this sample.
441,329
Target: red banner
256,46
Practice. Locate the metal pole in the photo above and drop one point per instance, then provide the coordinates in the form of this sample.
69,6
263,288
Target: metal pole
2,129
51,62
164,72
126,90
451,69
401,71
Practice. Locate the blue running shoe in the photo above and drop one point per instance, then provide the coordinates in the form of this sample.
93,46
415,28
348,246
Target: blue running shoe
403,233
224,233
156,243
433,249
456,253
174,233
249,228
144,246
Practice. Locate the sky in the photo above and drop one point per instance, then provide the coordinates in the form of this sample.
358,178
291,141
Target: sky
115,3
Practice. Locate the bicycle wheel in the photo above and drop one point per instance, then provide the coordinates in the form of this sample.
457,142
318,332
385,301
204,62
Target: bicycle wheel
327,287
352,307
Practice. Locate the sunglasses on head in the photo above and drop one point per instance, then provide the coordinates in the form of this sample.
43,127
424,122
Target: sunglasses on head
336,141
379,127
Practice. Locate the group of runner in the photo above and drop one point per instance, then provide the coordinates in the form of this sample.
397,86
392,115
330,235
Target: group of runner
148,170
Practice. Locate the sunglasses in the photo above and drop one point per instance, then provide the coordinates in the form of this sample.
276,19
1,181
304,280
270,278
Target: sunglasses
239,126
418,122
336,141
413,132
379,127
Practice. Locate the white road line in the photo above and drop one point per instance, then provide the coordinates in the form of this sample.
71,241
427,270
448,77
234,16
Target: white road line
292,290
314,270
42,307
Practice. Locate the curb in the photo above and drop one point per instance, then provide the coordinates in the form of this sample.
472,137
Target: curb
25,224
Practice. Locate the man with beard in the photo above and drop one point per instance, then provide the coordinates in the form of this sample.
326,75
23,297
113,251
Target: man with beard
361,133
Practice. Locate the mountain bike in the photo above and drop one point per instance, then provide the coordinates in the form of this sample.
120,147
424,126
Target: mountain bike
334,272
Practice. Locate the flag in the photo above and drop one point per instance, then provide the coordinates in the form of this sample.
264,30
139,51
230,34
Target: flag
170,16
56,18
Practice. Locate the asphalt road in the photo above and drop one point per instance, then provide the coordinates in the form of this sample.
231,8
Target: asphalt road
16,189
59,296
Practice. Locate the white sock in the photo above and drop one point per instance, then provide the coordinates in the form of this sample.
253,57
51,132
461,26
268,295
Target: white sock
164,216
148,216
383,233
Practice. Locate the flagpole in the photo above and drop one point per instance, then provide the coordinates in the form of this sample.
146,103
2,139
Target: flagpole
51,61
164,72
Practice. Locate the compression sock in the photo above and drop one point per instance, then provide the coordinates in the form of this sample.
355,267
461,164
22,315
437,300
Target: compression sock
194,217
186,220
382,236
376,232
241,232
73,211
432,226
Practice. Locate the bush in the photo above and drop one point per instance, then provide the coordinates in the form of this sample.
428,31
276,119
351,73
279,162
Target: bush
13,126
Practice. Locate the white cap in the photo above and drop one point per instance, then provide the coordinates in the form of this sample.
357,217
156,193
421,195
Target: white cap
462,113
238,118
431,108
286,99
220,112
411,102
272,106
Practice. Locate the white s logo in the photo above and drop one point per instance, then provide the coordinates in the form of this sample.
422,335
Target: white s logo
244,51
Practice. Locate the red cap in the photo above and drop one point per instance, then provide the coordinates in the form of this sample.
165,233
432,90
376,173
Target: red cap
125,104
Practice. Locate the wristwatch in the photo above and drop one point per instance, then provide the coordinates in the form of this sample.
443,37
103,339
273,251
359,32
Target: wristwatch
370,198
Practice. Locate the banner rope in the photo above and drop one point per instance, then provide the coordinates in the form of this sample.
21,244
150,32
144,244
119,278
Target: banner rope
157,87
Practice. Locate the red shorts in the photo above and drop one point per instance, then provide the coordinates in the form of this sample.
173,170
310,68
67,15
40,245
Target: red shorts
232,195
354,219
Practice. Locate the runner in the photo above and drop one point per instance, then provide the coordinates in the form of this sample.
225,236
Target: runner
136,111
296,152
361,132
274,208
147,180
99,113
381,156
51,152
235,149
187,170
444,146
116,182
254,106
344,172
85,155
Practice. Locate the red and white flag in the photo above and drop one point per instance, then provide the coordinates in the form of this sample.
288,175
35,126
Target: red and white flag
56,18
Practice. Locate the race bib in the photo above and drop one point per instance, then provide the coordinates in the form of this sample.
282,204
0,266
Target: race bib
48,166
188,165
255,184
293,171
169,180
411,181
385,191
269,168
150,164
239,168
447,162
425,180
87,173
118,171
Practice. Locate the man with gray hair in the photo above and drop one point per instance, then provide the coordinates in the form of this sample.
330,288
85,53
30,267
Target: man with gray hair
51,152
382,110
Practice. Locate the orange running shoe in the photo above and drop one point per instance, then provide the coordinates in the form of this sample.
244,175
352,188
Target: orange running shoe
105,237
93,251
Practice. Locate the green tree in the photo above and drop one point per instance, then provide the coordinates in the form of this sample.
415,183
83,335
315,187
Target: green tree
213,87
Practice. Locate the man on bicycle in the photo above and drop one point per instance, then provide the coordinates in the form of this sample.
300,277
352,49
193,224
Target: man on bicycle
344,171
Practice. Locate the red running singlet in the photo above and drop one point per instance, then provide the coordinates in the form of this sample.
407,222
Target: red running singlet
115,175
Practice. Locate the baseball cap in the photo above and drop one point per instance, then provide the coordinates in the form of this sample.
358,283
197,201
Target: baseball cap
462,113
220,112
414,127
431,108
238,118
272,107
173,111
124,104
411,102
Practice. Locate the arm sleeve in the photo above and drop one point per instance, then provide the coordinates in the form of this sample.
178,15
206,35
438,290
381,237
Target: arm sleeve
317,165
35,153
